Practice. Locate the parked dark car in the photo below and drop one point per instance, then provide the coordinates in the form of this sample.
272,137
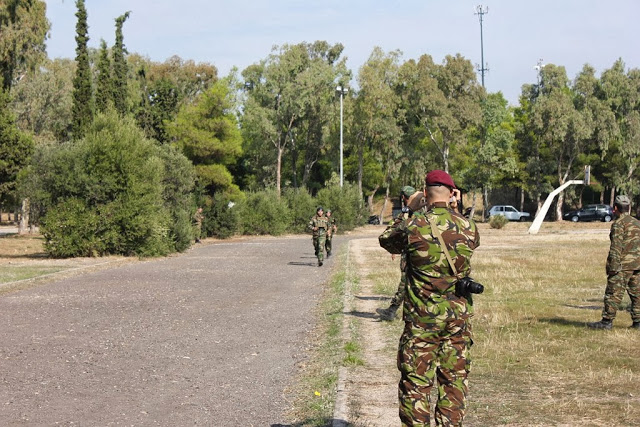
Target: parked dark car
590,213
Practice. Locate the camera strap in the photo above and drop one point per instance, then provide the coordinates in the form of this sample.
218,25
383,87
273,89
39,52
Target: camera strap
436,232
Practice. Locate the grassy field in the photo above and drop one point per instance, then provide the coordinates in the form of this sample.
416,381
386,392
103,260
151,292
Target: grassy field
534,361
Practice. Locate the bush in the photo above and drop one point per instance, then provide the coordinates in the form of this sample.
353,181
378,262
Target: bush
498,221
139,190
302,206
346,205
221,218
263,213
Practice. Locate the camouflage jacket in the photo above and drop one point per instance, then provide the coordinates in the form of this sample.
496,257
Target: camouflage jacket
319,225
430,279
332,225
624,252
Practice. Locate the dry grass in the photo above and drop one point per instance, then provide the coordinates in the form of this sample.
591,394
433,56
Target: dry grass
534,361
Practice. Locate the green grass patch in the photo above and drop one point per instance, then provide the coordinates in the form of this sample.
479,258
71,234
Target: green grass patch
10,273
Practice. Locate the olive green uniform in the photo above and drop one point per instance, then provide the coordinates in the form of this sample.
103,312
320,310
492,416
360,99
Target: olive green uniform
319,225
623,267
332,228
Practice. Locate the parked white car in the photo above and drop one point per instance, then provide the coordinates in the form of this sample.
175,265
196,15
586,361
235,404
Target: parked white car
511,213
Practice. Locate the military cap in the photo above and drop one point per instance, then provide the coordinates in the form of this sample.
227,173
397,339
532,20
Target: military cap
439,177
328,211
407,190
319,209
622,200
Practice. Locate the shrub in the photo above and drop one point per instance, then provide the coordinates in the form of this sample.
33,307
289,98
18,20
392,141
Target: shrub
221,217
263,213
498,221
302,206
346,205
139,190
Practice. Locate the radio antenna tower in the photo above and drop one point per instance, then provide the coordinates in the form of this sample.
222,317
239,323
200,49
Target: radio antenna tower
480,11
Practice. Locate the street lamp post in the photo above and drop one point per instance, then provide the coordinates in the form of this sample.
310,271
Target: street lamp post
342,91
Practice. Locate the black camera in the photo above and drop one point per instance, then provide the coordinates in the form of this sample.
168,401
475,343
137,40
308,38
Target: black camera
467,286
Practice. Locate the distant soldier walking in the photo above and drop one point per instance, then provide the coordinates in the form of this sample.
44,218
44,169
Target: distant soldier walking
623,266
197,224
319,225
331,230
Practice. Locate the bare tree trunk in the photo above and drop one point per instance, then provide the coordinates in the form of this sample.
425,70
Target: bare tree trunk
473,205
521,199
559,204
370,198
360,170
485,201
384,205
602,196
279,171
612,197
24,220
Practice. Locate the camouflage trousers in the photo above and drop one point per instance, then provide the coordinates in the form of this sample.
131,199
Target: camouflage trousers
327,243
398,297
426,356
318,245
617,283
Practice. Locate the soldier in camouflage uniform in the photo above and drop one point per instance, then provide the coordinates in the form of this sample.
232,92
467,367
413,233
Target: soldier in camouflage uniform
623,266
435,343
319,225
333,228
389,313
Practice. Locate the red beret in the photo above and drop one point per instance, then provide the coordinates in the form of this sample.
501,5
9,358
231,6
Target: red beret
439,177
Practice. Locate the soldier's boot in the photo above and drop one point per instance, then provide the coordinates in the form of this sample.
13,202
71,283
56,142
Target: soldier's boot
635,325
389,313
328,254
602,324
319,263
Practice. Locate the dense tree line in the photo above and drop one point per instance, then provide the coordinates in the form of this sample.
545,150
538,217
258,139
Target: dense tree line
275,125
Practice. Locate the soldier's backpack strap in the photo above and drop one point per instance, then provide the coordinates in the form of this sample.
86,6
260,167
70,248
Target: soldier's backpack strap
436,232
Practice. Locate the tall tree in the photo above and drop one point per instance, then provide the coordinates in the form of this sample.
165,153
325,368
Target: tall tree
375,124
42,101
120,68
24,28
82,92
207,133
287,104
104,87
445,99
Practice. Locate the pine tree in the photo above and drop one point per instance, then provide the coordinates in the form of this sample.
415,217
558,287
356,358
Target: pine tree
104,88
82,100
120,68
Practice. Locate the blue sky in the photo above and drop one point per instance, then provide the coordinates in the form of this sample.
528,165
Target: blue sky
517,33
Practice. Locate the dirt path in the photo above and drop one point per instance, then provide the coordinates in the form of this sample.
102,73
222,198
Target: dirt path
372,387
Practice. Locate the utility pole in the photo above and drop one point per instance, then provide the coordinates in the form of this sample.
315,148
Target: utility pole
480,11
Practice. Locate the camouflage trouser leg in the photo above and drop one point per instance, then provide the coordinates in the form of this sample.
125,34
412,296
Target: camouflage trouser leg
318,244
327,244
616,285
423,359
398,297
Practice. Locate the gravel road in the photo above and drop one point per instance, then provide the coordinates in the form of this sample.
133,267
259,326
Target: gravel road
211,337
